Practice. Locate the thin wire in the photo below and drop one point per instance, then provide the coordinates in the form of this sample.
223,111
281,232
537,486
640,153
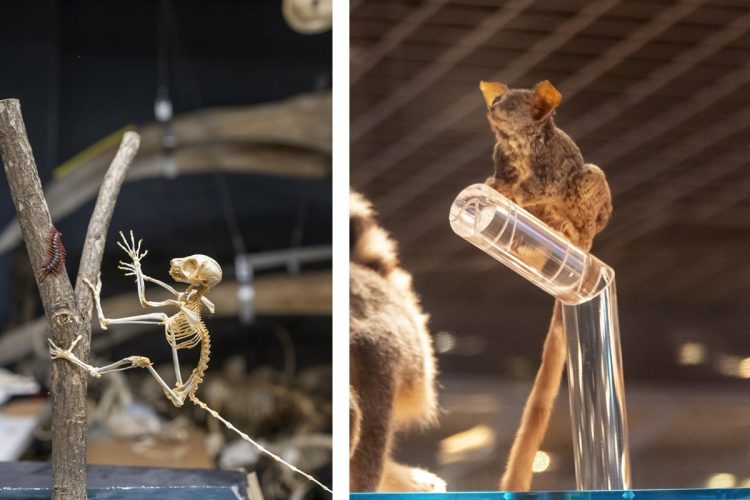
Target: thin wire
260,447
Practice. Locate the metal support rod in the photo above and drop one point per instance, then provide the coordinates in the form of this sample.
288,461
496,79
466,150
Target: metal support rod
277,258
586,288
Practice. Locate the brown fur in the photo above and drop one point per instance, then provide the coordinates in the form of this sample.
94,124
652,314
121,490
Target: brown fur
539,167
392,367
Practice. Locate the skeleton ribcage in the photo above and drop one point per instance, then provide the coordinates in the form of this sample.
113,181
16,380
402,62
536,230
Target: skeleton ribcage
181,334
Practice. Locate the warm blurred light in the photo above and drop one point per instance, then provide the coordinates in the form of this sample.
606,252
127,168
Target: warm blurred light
455,447
541,461
444,341
721,480
745,483
733,366
691,353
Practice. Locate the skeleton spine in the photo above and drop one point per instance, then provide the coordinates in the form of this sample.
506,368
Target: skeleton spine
55,260
196,377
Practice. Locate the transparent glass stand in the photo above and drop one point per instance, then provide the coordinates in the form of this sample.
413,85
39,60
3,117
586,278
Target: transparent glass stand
586,288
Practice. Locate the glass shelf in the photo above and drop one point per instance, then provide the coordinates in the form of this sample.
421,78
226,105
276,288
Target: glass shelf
684,494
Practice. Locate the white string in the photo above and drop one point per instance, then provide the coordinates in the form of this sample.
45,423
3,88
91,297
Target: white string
247,438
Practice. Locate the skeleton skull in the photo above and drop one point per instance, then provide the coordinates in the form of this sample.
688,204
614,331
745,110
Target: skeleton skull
197,270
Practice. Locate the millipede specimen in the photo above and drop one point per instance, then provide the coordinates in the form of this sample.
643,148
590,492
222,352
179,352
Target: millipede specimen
55,260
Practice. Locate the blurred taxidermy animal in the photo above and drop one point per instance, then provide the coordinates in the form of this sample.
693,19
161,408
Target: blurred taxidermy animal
392,366
540,168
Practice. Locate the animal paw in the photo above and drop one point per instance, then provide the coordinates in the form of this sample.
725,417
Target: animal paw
57,352
96,289
424,481
402,478
133,250
139,361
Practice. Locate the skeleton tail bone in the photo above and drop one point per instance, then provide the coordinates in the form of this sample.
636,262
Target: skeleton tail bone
247,438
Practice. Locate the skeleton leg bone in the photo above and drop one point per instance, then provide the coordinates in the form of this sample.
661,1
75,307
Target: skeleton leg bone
57,352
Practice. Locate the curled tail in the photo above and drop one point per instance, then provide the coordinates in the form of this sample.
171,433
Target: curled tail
247,438
538,409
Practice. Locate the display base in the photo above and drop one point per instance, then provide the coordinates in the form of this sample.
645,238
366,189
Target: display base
687,494
31,480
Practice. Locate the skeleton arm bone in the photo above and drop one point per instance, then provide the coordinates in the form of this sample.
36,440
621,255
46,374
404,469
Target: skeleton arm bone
134,269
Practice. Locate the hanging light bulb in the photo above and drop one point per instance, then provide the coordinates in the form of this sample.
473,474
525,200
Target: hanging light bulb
243,270
308,17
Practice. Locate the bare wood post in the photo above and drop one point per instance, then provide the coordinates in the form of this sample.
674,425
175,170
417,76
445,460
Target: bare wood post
67,318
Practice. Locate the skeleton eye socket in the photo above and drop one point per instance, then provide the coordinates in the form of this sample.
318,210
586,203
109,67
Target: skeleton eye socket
189,266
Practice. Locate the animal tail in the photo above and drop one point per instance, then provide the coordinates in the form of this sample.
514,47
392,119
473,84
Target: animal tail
538,409
355,421
370,245
260,447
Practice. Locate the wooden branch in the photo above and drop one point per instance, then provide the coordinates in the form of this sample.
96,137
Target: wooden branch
96,236
68,383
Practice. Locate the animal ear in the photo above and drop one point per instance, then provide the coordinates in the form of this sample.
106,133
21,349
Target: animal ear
546,99
491,91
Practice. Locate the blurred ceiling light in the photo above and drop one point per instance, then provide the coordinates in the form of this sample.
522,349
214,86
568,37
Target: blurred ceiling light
727,365
444,342
308,16
691,353
721,480
743,370
733,366
454,448
542,461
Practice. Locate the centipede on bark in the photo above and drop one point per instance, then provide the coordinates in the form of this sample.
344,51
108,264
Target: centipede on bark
55,260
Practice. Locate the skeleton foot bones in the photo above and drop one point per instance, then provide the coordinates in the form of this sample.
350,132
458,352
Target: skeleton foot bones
183,330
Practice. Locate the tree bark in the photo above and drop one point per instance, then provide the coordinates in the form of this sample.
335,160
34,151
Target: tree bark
66,318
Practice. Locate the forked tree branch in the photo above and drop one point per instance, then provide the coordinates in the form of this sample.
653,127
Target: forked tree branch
93,247
68,314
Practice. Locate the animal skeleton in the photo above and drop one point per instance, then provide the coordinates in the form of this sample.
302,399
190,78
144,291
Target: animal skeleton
183,330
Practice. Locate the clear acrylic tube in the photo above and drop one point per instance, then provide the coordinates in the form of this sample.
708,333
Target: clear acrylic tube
585,286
